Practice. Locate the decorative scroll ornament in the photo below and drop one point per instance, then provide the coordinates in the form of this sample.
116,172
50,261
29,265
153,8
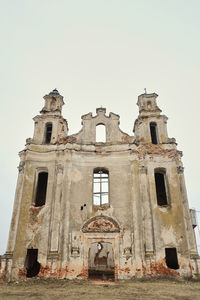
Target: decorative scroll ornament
101,224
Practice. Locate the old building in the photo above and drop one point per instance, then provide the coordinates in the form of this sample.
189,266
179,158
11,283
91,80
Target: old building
114,208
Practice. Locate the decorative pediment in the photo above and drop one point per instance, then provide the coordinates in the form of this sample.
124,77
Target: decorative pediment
87,135
101,224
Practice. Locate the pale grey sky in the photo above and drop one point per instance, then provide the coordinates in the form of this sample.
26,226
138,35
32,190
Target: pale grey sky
98,52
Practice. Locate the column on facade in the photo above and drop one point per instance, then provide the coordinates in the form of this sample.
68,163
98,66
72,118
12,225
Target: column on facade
56,213
16,209
147,216
188,223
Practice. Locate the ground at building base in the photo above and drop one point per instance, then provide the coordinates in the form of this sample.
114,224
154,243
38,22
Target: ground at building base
161,289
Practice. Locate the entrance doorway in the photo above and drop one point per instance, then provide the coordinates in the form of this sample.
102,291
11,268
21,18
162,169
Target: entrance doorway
31,263
101,260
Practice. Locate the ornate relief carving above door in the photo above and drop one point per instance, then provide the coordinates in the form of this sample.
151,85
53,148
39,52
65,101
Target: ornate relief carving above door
101,224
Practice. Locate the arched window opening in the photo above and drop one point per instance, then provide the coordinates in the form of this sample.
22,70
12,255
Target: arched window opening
100,187
153,131
161,192
48,133
41,189
171,258
32,265
100,133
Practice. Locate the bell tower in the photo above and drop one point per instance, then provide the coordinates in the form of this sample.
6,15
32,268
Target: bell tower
150,127
50,126
53,103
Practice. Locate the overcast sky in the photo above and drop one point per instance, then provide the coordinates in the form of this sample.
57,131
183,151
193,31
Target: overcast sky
98,52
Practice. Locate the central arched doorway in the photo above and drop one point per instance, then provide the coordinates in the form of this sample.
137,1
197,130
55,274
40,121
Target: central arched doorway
101,235
101,260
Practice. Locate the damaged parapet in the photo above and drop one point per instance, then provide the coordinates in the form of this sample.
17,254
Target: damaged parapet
114,208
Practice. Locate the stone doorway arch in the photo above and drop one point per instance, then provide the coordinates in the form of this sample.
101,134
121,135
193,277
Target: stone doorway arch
101,260
101,236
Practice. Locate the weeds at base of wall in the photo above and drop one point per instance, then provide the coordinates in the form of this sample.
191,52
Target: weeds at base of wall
64,281
46,281
165,278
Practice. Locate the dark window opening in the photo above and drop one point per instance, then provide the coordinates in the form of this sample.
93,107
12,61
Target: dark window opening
32,265
48,133
153,130
171,258
100,187
161,189
41,189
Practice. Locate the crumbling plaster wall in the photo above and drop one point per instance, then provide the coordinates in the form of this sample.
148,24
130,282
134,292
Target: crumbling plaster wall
134,226
145,228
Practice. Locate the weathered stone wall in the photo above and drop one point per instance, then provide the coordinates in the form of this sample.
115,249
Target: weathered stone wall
131,230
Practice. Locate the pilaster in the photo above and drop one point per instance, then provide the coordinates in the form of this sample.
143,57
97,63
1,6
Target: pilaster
16,209
147,216
137,226
187,219
65,213
55,234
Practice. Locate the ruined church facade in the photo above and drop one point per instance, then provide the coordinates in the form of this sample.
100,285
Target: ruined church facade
86,208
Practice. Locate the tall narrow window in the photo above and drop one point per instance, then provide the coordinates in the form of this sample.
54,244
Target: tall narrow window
48,133
100,187
100,133
171,258
41,189
153,131
32,265
161,188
